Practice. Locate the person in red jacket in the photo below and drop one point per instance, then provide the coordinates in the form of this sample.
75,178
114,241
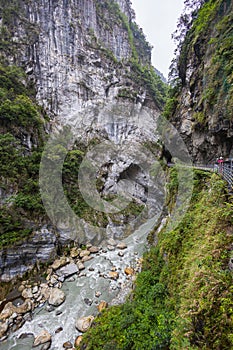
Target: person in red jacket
220,164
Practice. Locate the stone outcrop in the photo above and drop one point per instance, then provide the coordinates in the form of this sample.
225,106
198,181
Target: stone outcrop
23,256
203,114
86,60
84,323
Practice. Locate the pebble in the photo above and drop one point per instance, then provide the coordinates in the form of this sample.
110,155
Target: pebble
58,312
110,247
58,330
78,340
129,271
121,254
98,294
67,345
50,308
88,301
113,275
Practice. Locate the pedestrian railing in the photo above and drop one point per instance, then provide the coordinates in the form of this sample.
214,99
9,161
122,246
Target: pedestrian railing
225,169
227,173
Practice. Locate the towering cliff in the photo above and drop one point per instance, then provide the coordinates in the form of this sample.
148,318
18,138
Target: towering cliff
201,104
85,65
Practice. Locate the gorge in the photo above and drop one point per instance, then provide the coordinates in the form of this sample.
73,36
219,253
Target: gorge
87,129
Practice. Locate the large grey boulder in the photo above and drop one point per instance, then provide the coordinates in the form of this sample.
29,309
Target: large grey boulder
57,297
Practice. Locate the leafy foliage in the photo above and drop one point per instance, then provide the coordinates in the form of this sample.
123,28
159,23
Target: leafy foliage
146,75
19,165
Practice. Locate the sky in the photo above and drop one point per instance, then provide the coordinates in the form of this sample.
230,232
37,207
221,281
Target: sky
158,19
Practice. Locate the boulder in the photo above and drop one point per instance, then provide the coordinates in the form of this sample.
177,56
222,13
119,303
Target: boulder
42,338
84,253
3,329
113,275
129,271
74,253
93,249
27,293
67,270
121,245
57,297
45,291
86,258
59,263
7,311
25,307
78,340
84,323
67,345
80,266
102,305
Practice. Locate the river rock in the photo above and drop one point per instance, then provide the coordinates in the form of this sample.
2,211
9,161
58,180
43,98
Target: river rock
78,340
88,301
84,323
42,338
80,266
25,307
129,271
86,258
84,253
35,289
45,291
93,249
27,293
102,305
60,263
121,245
58,330
67,270
67,345
7,311
57,297
98,294
3,329
74,253
111,247
121,254
113,275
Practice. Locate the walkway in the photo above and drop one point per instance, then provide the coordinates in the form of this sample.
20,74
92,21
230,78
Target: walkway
225,170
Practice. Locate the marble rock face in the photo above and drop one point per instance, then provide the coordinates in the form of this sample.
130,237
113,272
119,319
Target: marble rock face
80,67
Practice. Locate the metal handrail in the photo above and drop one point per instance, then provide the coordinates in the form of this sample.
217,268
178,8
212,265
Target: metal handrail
225,169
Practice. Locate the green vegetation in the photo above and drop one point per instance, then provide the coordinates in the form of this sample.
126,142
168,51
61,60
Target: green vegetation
208,46
146,76
183,299
20,119
19,182
205,16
